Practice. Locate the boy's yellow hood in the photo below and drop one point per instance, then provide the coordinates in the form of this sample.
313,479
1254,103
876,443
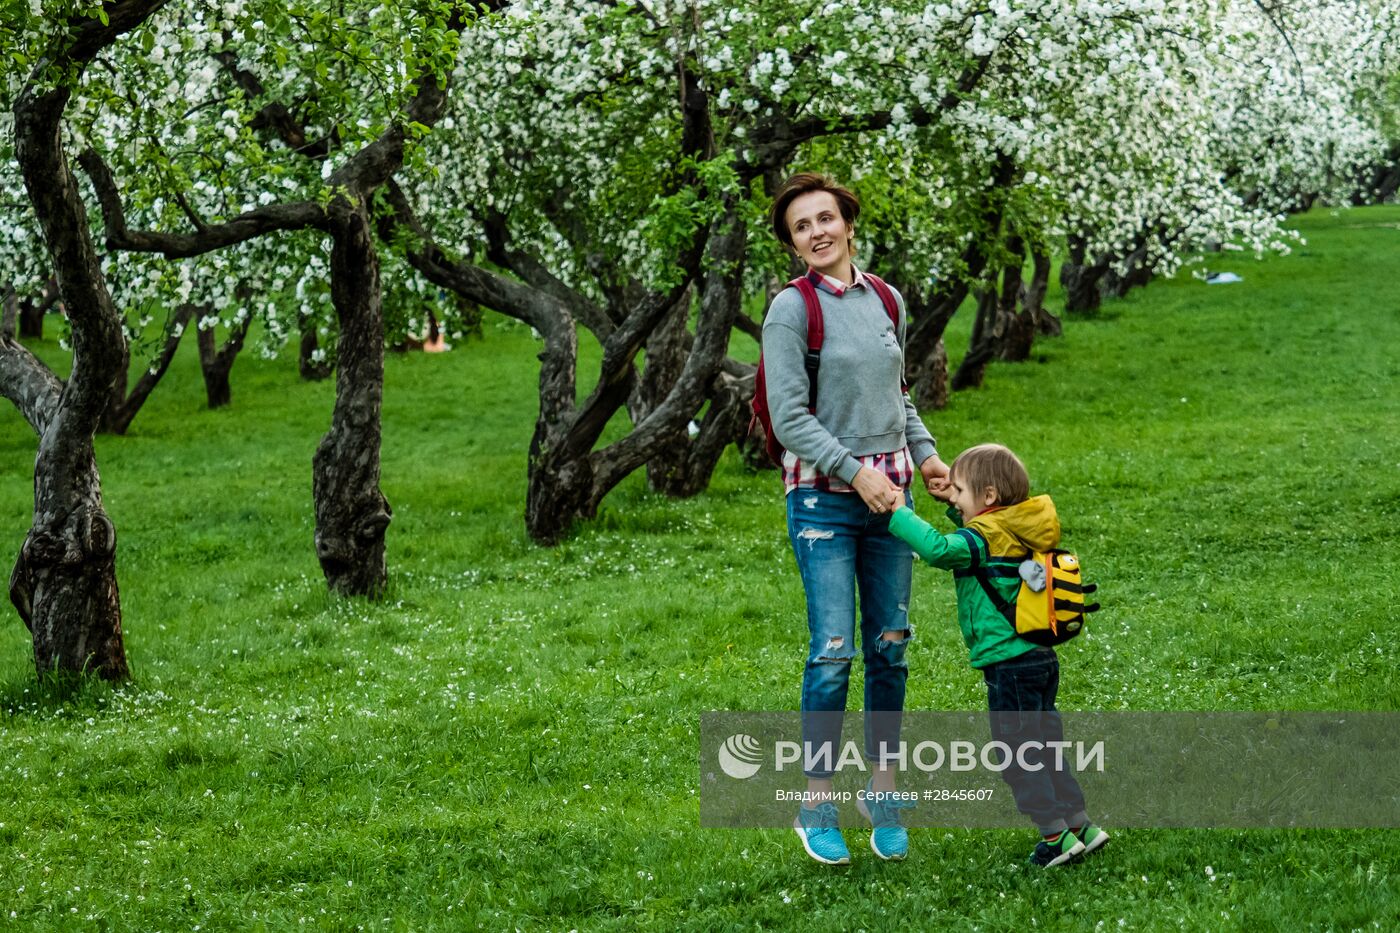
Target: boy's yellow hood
1026,526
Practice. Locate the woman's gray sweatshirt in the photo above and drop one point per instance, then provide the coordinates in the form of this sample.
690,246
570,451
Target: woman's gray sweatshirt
861,409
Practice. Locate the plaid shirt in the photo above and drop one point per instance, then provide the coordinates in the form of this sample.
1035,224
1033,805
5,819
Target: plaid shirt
898,465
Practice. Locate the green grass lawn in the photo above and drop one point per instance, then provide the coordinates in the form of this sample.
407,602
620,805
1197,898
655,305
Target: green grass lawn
510,739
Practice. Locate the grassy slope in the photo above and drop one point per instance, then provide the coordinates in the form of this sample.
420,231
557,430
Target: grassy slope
510,738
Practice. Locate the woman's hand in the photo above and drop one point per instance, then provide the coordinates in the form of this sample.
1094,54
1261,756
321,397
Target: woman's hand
935,473
880,495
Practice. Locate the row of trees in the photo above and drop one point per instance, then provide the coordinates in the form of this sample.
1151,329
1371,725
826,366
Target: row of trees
599,170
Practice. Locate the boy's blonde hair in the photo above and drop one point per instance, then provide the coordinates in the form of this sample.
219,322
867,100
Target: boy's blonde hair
995,466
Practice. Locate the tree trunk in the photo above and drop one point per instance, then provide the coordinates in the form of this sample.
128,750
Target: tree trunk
666,352
1080,281
721,295
926,359
568,478
725,422
64,582
982,346
1385,178
925,356
1046,324
1021,327
1014,331
33,309
1138,273
1387,184
31,320
1378,183
122,407
217,362
9,313
311,369
351,511
1018,336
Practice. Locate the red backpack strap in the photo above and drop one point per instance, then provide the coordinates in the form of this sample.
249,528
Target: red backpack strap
816,334
891,308
886,296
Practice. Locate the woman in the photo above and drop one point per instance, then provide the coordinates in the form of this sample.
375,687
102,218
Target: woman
848,465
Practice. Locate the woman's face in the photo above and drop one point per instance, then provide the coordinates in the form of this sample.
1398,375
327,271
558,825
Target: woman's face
820,235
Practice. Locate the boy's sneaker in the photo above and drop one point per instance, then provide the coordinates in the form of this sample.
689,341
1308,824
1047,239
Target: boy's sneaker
1065,847
1092,836
820,832
888,839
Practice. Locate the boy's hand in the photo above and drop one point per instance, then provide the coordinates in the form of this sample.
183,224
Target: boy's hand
935,473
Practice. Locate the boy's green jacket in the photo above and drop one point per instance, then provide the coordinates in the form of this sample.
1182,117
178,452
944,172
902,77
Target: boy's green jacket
996,540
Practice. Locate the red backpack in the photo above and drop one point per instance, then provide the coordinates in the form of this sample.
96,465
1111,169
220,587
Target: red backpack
815,335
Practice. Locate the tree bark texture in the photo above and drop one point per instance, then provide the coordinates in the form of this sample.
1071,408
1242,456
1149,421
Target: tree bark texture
1021,327
64,582
1015,319
1080,280
566,478
33,308
310,369
666,352
724,422
1086,285
926,358
351,511
982,345
1007,323
683,465
699,378
1046,324
9,313
216,362
123,406
1115,284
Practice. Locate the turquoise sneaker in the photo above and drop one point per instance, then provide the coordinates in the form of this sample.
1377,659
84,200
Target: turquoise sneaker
1092,836
888,839
820,832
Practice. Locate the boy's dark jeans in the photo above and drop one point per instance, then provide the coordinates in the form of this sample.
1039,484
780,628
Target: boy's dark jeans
1021,700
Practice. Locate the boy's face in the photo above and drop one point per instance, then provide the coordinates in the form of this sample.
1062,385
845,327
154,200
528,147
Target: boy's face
967,501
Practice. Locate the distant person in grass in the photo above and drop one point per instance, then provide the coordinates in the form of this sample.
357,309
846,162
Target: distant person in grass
999,525
848,465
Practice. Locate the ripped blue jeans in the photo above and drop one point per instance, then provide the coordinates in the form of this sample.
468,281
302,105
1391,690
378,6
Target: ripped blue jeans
843,548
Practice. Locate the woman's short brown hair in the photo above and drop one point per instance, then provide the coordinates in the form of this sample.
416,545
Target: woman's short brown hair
801,184
995,466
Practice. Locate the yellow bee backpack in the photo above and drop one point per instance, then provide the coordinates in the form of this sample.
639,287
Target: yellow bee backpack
1049,608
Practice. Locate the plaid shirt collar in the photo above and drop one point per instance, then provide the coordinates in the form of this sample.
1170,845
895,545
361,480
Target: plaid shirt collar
835,286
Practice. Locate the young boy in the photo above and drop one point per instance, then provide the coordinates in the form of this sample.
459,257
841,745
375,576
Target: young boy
988,489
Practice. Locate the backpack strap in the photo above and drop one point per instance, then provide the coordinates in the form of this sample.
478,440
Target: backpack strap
1008,610
886,297
891,308
979,570
816,334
